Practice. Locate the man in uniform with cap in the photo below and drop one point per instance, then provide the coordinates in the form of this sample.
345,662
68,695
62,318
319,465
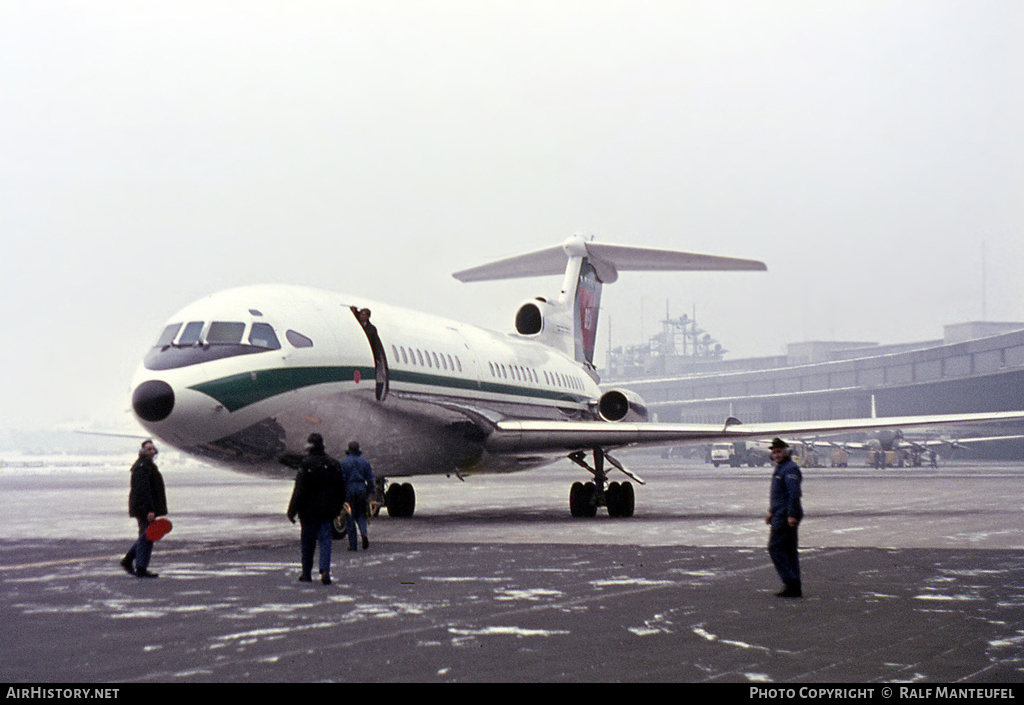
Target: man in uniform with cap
316,499
784,514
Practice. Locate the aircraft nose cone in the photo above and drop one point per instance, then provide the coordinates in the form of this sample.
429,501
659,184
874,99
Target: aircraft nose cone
153,400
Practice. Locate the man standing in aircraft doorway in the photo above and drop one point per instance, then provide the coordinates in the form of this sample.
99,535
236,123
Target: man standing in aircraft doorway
359,484
316,499
784,514
147,500
380,358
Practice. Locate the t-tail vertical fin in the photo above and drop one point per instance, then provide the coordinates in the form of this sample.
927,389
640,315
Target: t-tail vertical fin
581,297
585,309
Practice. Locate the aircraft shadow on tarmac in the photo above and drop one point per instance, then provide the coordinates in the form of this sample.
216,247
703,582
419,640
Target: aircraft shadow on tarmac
504,516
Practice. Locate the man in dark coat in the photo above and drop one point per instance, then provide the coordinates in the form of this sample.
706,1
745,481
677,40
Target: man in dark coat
316,499
147,500
359,485
784,514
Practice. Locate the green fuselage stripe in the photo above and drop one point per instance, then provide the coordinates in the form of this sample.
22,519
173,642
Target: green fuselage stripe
238,391
241,390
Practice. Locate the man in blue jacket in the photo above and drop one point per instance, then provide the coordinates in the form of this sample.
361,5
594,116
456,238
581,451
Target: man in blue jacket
359,484
784,514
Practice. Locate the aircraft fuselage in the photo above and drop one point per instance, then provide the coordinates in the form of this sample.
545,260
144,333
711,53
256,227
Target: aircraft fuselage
242,377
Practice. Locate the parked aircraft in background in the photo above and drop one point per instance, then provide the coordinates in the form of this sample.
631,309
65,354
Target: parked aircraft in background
894,448
242,377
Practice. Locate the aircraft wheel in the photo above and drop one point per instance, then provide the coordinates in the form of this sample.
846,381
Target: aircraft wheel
400,500
576,499
339,528
590,496
582,499
613,496
626,500
410,499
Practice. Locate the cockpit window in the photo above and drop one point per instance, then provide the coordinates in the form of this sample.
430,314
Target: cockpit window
225,332
263,336
223,339
191,334
167,337
298,339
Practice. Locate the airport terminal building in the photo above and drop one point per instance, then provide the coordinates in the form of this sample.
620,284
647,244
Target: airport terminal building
975,366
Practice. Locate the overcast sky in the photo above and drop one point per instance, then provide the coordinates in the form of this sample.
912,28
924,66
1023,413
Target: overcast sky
871,153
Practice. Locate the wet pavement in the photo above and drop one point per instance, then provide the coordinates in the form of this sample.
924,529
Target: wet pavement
912,577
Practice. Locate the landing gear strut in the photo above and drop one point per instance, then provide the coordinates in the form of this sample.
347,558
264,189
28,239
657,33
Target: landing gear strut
585,498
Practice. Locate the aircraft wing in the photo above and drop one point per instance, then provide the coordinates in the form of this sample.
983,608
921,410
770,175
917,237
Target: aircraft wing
510,436
980,439
136,435
934,442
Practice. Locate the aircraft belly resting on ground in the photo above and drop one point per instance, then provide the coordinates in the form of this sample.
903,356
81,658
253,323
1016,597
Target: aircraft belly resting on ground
242,377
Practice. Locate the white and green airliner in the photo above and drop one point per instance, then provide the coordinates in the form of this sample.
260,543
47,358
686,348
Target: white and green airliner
242,377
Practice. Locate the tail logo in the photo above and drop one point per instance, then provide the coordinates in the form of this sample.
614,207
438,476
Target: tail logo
588,302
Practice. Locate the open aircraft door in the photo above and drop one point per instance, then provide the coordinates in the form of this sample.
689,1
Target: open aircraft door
380,358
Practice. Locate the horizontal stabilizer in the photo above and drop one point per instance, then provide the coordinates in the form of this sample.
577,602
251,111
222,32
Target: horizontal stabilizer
534,264
608,261
642,259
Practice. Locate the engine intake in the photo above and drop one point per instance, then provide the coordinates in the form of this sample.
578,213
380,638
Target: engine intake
622,405
529,319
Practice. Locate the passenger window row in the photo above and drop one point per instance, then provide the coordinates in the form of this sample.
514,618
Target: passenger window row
527,374
444,361
426,358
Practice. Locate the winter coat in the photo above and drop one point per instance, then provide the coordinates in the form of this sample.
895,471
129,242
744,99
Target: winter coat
147,492
784,499
319,489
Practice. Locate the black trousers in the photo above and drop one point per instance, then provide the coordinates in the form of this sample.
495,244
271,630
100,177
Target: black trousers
782,547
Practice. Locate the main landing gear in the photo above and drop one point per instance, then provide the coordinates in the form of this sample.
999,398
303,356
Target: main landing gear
399,499
585,498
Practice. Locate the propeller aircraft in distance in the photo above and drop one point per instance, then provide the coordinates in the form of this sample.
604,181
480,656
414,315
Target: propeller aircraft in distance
242,377
893,448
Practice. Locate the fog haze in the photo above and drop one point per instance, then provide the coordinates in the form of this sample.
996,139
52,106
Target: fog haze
870,153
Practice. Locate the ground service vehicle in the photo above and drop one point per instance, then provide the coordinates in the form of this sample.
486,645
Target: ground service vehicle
739,453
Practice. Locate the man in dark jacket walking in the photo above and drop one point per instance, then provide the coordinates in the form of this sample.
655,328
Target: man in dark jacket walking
147,500
784,514
316,499
359,484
